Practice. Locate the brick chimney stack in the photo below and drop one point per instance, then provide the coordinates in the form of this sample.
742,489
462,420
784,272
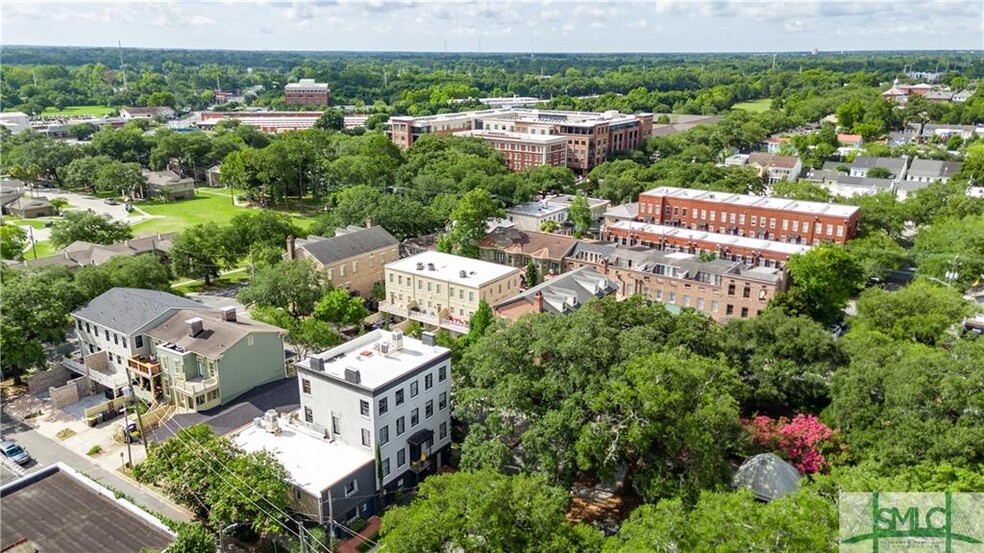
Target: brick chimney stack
538,302
290,248
369,222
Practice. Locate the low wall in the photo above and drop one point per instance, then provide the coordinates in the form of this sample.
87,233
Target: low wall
114,404
58,376
71,392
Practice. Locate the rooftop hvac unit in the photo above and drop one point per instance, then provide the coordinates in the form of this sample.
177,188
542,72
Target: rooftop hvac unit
420,266
397,342
463,273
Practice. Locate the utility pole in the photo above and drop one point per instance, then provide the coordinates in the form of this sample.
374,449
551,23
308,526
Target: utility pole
143,437
331,522
126,434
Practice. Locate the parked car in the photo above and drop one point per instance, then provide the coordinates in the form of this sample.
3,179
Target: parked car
111,201
15,452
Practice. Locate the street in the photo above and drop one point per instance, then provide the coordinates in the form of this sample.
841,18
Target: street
46,452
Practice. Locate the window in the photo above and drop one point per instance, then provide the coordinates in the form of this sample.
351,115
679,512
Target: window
414,417
442,401
840,233
714,306
772,222
461,294
731,289
308,415
401,457
116,339
399,397
429,409
729,310
383,406
429,284
355,266
386,467
785,224
401,426
413,389
796,226
754,220
305,386
78,325
672,298
341,270
830,230
443,432
744,312
107,335
364,407
420,285
686,300
700,304
351,487
659,295
442,373
123,339
384,434
746,292
428,381
437,288
366,437
331,274
471,296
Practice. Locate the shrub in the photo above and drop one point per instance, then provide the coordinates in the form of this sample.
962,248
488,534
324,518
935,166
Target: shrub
94,450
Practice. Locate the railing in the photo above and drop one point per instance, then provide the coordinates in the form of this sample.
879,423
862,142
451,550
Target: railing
144,366
75,366
195,387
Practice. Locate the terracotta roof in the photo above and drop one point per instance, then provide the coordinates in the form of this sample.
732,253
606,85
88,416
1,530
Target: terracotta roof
538,245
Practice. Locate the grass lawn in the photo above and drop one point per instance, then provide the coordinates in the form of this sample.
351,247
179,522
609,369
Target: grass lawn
72,111
754,106
223,281
36,223
207,207
44,250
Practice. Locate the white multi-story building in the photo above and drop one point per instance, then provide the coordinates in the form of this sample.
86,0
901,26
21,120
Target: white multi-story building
384,392
444,290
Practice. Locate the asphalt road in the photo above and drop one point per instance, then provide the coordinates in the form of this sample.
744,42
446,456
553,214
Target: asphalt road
46,452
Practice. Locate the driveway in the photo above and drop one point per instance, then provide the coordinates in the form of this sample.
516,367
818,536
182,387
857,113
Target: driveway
281,395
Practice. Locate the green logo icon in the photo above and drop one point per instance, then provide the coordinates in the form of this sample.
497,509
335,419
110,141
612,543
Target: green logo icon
881,522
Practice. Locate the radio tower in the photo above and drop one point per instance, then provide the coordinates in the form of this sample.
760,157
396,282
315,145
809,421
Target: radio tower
122,67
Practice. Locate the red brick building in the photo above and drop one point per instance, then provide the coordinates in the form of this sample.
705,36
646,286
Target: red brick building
525,150
744,215
752,251
306,92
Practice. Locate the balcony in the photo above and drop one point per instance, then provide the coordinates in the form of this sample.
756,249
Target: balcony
144,366
195,386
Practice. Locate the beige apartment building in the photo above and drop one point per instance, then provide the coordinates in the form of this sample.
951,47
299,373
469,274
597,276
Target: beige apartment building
444,290
353,259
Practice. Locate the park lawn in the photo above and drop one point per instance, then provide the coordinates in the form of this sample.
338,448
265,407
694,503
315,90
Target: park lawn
178,215
754,106
73,111
222,281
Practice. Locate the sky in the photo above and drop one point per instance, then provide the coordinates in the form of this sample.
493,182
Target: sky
502,26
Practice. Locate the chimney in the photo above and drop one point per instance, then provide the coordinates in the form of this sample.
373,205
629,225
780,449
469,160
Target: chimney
428,338
317,364
195,326
229,313
290,248
538,302
463,273
369,222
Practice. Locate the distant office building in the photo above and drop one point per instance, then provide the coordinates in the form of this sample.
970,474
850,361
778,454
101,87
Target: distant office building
525,150
591,136
306,92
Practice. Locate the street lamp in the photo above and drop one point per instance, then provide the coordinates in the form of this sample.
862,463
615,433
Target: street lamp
222,533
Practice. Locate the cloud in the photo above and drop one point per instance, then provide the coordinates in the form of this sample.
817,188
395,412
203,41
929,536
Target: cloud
640,24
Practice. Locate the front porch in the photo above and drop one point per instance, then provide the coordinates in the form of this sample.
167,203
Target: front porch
196,394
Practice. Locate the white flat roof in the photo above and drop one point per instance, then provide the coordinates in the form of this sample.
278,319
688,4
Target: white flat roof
313,463
728,198
714,237
448,267
566,200
376,369
537,208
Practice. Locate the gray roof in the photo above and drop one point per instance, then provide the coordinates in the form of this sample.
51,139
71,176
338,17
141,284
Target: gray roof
216,337
127,310
81,253
566,292
768,476
352,242
847,180
893,164
933,168
21,203
624,211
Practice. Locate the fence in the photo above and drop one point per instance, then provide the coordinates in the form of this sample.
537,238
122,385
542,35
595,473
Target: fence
57,376
71,392
113,404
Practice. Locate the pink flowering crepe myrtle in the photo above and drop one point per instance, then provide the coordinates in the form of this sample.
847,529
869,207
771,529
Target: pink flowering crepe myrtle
801,441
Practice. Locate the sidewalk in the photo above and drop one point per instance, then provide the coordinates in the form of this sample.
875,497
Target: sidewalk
352,545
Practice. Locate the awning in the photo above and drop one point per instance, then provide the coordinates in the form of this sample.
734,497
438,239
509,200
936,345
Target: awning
421,436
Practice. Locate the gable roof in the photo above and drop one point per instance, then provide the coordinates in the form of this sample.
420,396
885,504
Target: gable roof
127,310
893,164
164,178
81,253
22,203
772,160
934,168
351,242
538,245
217,335
566,292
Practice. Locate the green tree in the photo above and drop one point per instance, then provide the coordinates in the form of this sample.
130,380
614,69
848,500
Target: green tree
90,227
480,321
295,285
197,252
878,254
82,131
879,173
82,173
549,226
952,246
125,178
59,204
468,220
532,276
580,214
823,279
340,309
12,241
464,511
922,311
192,538
143,271
801,190
161,98
333,119
802,522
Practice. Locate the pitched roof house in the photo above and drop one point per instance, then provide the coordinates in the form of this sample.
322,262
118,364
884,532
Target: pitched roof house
514,247
559,295
353,258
